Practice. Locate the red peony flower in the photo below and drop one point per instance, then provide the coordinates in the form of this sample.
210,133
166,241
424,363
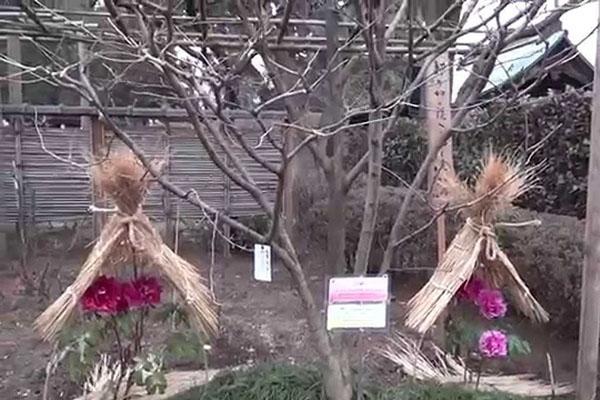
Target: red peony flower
470,290
105,296
133,296
144,291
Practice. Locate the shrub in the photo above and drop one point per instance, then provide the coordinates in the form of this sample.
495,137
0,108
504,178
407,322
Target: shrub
549,257
550,260
413,252
286,382
553,130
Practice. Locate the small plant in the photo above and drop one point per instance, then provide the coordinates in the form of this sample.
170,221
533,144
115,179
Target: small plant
115,322
476,328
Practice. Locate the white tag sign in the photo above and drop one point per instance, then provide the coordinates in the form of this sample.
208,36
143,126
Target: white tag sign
357,316
262,263
358,302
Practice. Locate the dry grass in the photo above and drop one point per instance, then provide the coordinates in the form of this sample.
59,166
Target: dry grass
128,231
501,180
54,318
124,179
458,265
445,369
177,382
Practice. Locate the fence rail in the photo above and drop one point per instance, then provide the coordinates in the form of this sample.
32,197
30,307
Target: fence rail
51,165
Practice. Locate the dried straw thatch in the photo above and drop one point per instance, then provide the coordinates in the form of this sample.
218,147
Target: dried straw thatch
126,182
105,379
500,182
445,369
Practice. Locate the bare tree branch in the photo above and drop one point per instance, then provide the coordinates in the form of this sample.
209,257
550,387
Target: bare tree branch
473,85
398,17
289,6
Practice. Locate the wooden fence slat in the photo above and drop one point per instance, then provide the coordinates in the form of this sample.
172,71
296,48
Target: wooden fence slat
64,193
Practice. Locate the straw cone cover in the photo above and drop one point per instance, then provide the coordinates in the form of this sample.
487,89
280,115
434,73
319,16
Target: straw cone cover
125,181
501,180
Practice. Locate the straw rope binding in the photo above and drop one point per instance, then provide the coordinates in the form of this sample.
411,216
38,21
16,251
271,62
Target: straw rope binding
126,182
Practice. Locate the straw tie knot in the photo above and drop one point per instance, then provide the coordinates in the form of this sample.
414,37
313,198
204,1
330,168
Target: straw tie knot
487,231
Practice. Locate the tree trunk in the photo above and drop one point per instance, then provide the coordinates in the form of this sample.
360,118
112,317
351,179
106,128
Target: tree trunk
369,221
337,378
332,349
589,330
336,225
376,43
335,174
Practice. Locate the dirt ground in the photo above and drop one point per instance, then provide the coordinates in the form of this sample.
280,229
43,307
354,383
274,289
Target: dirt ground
259,321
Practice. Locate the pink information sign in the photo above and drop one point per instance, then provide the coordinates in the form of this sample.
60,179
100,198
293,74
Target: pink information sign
358,289
357,302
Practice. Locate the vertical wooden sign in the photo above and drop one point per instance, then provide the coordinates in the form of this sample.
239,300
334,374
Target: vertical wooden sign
436,104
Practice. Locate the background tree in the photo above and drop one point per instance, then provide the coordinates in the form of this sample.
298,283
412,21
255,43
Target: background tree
201,66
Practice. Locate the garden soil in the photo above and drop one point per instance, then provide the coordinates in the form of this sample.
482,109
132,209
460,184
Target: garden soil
259,322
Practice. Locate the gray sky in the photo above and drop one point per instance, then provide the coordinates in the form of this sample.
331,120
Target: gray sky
580,24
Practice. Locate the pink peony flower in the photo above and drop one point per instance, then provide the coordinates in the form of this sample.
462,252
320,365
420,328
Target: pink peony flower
491,303
470,289
105,296
493,344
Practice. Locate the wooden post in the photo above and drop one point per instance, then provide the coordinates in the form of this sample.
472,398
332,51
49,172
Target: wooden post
227,210
437,122
97,143
15,88
289,204
436,101
589,328
20,183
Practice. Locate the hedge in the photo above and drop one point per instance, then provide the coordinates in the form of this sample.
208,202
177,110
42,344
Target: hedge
549,257
552,131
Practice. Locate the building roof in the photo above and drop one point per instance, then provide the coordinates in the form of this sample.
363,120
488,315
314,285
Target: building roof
522,61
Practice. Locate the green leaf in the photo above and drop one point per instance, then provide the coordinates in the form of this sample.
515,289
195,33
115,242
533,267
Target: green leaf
149,372
184,346
138,377
126,323
173,312
517,346
156,383
463,333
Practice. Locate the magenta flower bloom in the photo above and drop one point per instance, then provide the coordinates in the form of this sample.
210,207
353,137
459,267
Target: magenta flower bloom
491,303
104,296
493,344
470,290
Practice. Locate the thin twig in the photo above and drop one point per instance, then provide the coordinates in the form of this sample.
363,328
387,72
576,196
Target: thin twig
50,153
211,269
